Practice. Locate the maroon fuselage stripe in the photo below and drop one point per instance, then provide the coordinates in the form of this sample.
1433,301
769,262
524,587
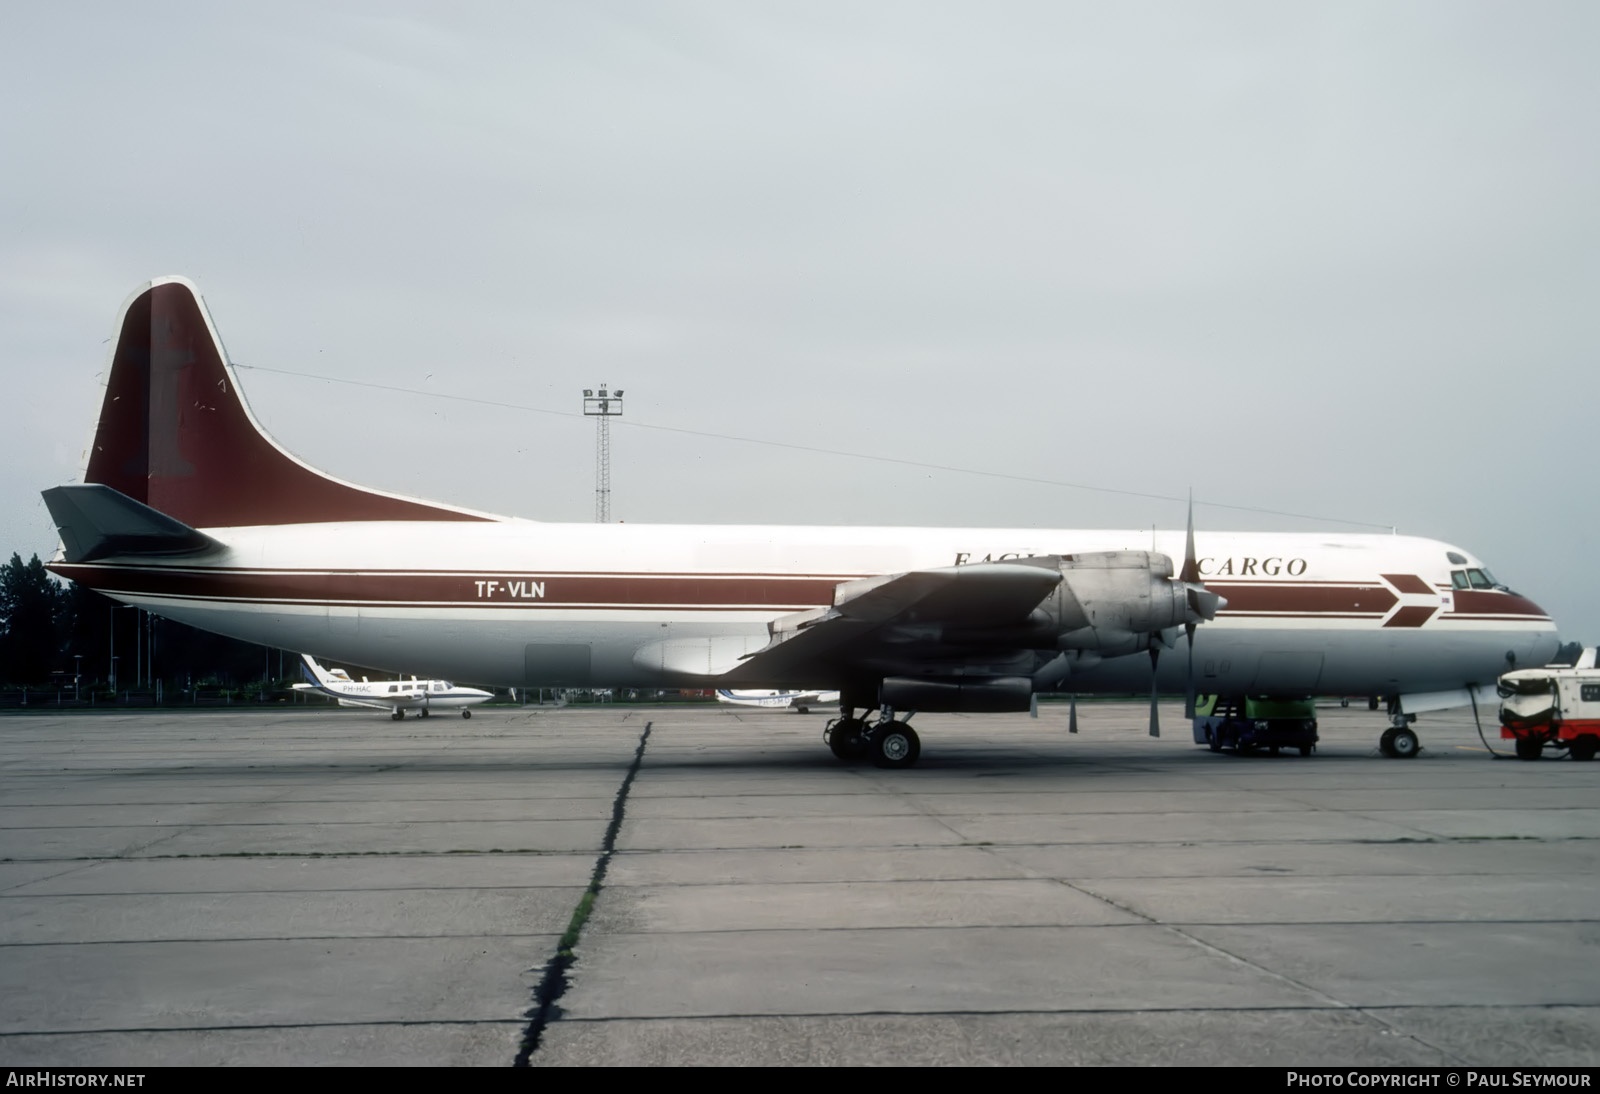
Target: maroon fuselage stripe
485,589
678,590
1319,600
1472,602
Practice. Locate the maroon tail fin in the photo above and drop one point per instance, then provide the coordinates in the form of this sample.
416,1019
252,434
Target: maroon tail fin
176,435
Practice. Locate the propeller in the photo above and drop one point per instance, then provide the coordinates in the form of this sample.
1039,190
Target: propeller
1203,604
1072,713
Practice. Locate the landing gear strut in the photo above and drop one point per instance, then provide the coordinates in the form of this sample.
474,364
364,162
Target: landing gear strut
888,742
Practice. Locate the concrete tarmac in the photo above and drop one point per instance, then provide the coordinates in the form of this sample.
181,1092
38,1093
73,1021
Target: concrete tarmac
330,887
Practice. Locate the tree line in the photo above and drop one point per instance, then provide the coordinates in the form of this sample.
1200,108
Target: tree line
51,630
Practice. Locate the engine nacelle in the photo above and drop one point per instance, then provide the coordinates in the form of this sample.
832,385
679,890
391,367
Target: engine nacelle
955,695
1120,602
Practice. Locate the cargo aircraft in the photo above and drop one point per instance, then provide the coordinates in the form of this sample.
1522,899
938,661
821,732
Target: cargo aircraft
395,696
189,510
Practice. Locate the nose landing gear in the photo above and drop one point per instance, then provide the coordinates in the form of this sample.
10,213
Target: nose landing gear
1399,741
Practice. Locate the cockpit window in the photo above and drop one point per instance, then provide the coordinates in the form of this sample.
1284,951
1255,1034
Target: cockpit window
1455,559
1458,578
1480,579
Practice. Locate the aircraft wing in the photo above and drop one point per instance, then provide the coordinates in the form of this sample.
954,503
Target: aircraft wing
890,619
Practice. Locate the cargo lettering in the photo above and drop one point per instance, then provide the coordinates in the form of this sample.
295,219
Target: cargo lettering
1252,567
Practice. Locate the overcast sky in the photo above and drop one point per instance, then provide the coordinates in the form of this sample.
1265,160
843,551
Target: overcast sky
1330,259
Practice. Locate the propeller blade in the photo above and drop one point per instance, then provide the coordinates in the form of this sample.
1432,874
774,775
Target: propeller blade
1033,706
1072,714
1191,564
1155,721
1188,691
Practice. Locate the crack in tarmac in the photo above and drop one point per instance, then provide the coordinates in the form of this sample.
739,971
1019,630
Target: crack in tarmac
553,985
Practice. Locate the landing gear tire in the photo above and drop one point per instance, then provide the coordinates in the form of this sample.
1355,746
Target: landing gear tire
1211,741
423,713
466,714
895,745
1399,743
1583,748
1529,748
847,739
397,715
1305,750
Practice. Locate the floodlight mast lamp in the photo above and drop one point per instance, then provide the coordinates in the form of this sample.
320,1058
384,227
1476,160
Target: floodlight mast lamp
602,408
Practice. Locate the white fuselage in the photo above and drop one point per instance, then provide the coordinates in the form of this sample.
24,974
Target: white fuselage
525,604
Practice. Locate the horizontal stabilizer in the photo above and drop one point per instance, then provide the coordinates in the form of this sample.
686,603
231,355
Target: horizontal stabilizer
97,522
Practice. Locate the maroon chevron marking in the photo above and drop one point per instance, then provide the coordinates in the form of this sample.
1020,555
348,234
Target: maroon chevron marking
1410,583
1413,616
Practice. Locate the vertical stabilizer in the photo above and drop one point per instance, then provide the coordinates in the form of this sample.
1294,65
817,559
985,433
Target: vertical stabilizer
314,673
175,433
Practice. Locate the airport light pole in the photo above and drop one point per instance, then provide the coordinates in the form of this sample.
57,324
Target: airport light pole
602,408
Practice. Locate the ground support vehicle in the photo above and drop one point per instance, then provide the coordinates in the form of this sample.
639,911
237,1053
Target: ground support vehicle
1555,707
1245,724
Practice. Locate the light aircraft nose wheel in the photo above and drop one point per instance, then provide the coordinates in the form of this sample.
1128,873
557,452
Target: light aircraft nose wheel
895,745
1399,743
397,715
424,712
466,714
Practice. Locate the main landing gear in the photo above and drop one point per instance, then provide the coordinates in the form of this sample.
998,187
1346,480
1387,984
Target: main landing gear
884,740
1399,741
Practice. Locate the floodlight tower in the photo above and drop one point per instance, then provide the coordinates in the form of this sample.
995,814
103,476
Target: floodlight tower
602,408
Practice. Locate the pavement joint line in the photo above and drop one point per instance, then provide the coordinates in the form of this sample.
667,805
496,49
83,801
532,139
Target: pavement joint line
1333,1002
230,939
553,984
1309,1008
1146,924
601,1020
96,1031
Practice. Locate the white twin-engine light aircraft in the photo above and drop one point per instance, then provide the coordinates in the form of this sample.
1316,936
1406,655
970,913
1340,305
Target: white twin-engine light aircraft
188,509
395,696
777,699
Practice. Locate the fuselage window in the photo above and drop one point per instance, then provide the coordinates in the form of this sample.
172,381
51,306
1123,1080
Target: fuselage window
393,688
